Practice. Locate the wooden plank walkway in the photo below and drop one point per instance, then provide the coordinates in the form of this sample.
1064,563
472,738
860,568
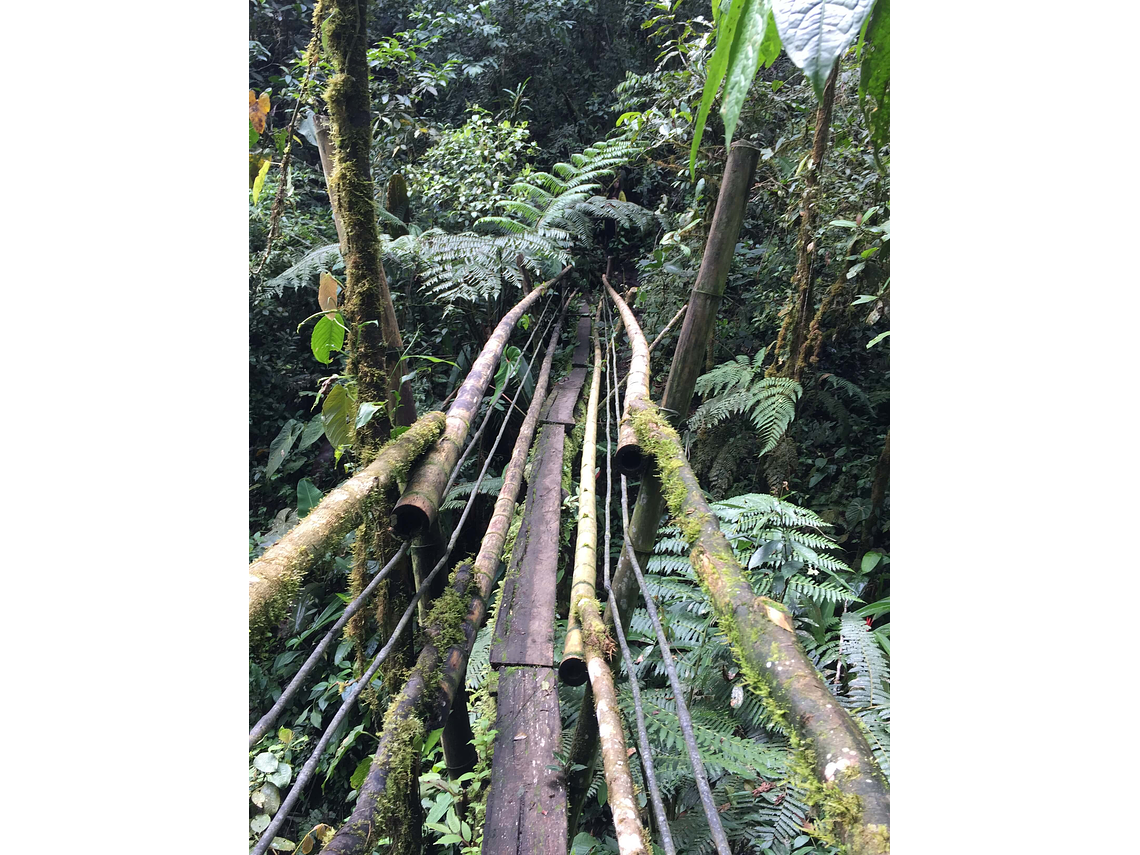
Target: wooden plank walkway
526,805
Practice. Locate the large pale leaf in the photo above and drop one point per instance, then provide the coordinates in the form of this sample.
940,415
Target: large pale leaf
875,74
338,413
756,41
718,64
281,445
815,33
326,294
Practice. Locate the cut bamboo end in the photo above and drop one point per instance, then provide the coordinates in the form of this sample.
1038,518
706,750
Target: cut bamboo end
628,458
572,668
412,515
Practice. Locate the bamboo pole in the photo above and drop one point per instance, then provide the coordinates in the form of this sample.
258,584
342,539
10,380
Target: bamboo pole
704,301
590,640
852,789
628,457
615,757
572,669
419,504
275,577
426,702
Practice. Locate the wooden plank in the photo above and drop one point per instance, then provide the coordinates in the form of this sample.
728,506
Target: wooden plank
526,805
524,630
582,350
560,407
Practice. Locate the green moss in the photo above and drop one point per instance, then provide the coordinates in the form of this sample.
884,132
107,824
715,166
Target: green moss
445,619
403,737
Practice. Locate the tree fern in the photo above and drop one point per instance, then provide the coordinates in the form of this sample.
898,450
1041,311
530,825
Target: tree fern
739,387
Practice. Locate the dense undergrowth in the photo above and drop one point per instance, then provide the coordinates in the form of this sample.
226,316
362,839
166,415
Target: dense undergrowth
555,131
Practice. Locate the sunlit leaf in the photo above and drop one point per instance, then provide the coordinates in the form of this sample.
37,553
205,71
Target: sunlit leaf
338,413
258,110
367,410
328,335
815,33
259,181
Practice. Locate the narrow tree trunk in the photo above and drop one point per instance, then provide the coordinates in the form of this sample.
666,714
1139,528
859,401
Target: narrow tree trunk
628,457
878,495
324,148
572,669
796,322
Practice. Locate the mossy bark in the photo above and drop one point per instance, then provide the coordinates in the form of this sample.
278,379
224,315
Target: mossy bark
851,787
275,577
796,322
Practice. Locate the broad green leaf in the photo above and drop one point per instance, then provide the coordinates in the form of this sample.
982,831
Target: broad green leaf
259,181
253,134
815,33
328,335
285,735
718,64
345,744
367,410
281,445
259,823
360,772
308,497
748,50
282,776
270,799
875,74
265,762
313,431
280,844
338,414
869,561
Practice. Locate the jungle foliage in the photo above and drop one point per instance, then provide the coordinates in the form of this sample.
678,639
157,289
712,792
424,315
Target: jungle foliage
510,138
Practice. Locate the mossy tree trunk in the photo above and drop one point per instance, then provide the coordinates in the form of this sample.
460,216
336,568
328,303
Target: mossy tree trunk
374,341
795,327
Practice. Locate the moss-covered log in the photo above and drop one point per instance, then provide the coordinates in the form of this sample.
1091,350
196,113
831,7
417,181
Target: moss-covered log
275,577
419,505
850,788
628,456
389,804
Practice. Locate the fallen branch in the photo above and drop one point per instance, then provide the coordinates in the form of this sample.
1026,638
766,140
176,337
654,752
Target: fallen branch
628,456
275,577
